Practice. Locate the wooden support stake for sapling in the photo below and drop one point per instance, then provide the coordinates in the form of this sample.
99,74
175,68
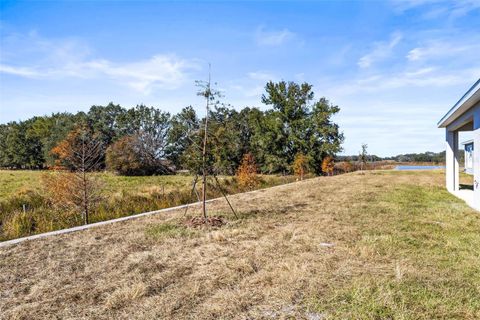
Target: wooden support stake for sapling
194,190
225,195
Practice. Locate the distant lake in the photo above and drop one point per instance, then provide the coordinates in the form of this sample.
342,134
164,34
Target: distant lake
404,168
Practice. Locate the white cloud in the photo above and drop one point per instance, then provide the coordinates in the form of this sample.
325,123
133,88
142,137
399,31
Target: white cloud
59,59
416,54
419,72
404,5
461,8
160,71
438,9
251,86
443,49
273,38
19,71
417,78
381,51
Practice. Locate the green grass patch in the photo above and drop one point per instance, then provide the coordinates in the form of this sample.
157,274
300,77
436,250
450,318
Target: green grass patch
169,230
427,241
13,181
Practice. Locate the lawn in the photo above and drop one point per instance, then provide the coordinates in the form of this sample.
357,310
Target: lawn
379,245
14,181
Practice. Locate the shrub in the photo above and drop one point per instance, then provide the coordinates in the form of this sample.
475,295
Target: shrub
301,165
128,156
328,165
247,172
124,157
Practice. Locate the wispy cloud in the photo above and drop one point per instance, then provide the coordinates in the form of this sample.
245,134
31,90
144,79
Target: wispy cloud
253,84
404,5
19,71
273,37
423,77
65,58
380,51
464,7
435,9
443,48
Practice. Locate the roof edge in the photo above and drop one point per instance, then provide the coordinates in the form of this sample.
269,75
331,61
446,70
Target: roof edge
459,103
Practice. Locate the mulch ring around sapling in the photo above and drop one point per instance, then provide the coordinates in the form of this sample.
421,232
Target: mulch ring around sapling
199,222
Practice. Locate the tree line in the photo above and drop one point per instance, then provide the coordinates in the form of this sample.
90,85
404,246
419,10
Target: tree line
145,140
434,157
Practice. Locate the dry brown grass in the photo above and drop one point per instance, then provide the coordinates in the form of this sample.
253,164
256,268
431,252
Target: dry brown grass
330,247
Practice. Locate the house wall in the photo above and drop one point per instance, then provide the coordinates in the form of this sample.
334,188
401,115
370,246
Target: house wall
476,156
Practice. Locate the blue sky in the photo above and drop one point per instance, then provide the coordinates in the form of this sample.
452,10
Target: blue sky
393,67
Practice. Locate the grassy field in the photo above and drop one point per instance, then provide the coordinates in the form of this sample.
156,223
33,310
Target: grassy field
120,196
15,181
380,245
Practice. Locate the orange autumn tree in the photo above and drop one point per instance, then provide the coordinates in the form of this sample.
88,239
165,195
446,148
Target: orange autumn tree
76,188
328,165
61,152
301,165
247,172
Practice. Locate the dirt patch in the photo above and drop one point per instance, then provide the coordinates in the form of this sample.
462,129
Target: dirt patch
200,222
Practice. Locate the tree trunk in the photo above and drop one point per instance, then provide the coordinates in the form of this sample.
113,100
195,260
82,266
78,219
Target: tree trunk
84,186
204,160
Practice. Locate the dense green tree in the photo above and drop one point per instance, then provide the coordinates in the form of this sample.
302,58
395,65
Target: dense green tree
104,121
296,123
20,150
15,152
323,135
225,140
269,143
184,130
3,145
247,121
48,131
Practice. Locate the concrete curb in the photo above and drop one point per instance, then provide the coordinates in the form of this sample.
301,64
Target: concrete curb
97,224
135,216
